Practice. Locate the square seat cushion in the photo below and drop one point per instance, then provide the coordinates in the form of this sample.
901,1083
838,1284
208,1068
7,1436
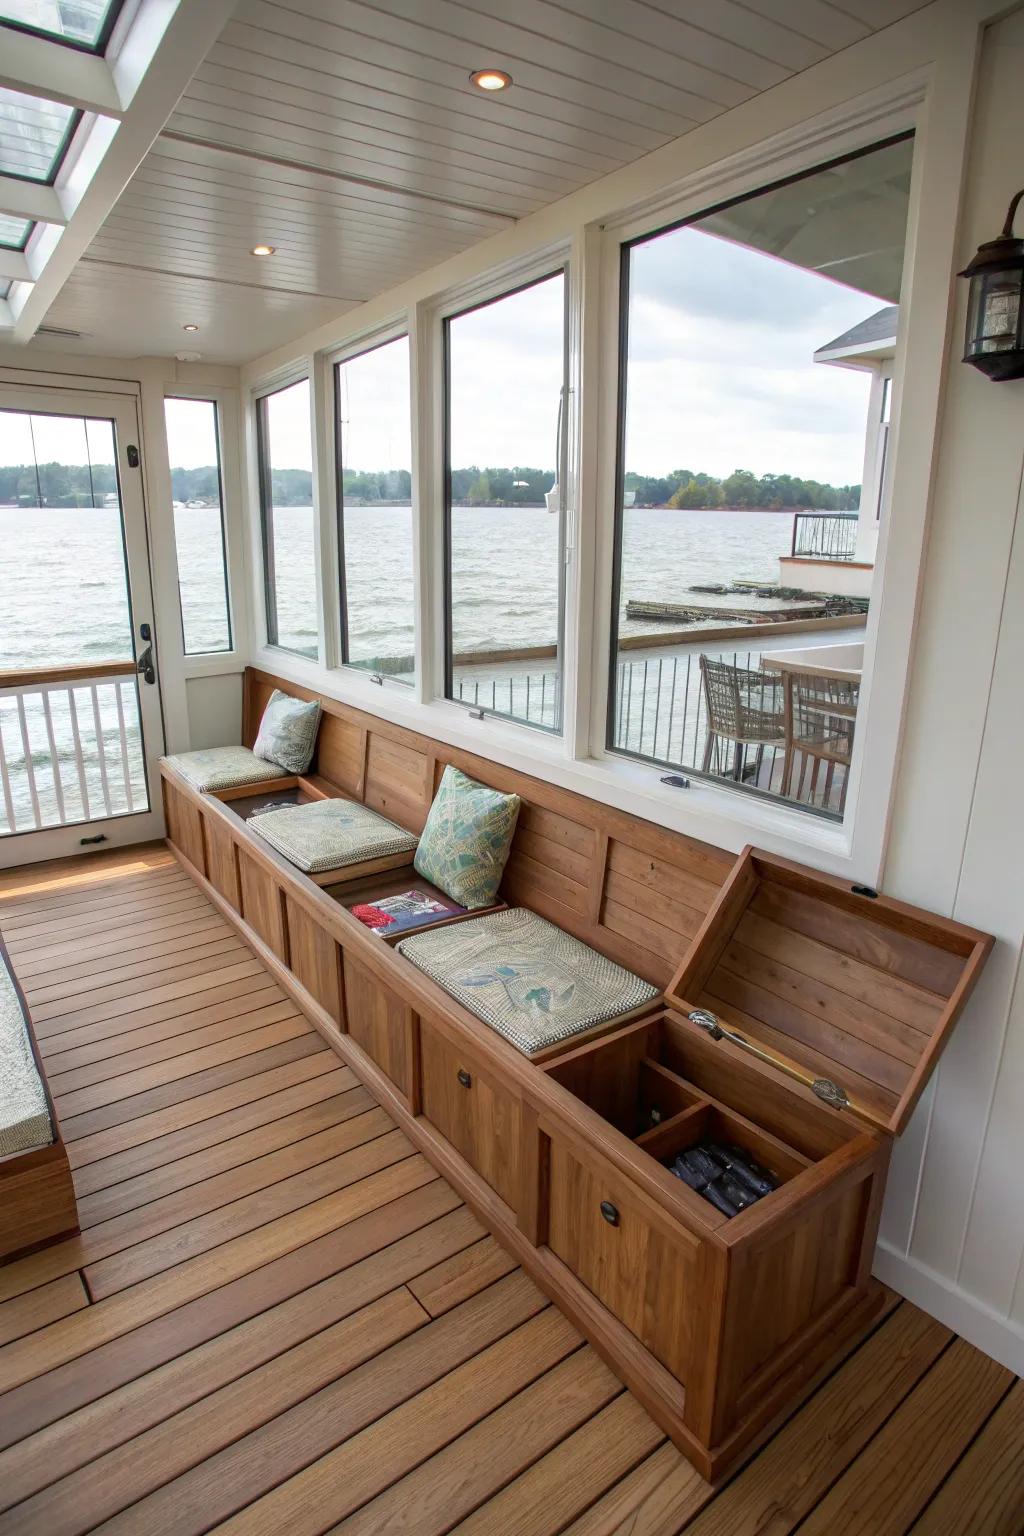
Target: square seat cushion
328,834
24,1113
224,767
530,981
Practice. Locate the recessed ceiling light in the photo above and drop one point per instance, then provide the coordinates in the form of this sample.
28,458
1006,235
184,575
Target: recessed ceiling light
263,250
190,327
490,79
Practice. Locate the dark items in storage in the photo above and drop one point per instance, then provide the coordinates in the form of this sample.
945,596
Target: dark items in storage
725,1177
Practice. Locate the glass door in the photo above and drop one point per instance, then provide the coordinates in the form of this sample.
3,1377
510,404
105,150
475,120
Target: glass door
80,719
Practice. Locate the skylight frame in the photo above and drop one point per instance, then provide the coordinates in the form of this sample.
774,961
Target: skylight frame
98,48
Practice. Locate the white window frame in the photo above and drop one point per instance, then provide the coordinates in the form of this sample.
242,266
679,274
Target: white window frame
933,98
218,663
490,288
856,845
367,341
302,369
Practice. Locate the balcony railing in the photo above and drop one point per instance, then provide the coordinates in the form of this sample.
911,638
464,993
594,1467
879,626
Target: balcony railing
70,749
534,698
825,535
661,715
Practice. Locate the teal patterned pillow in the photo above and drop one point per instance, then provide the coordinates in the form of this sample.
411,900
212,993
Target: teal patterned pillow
465,843
287,733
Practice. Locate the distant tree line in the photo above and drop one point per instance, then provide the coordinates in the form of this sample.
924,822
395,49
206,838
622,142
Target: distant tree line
78,485
59,485
742,489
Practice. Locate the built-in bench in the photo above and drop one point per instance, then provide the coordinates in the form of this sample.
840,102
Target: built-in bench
716,1322
37,1197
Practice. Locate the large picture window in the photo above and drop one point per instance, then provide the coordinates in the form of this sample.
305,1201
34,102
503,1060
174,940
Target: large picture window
505,533
285,449
374,459
756,338
193,448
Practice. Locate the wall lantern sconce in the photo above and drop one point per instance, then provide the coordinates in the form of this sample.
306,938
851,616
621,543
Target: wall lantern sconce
995,306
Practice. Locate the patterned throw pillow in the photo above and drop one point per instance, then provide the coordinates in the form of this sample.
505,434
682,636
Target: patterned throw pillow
465,843
287,733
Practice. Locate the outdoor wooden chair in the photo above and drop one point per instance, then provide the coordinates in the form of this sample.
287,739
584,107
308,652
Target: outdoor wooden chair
824,714
743,707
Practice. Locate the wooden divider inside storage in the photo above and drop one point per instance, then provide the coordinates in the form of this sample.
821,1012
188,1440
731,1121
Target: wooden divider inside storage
635,891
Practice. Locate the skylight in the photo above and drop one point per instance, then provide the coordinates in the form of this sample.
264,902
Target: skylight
34,134
14,232
79,23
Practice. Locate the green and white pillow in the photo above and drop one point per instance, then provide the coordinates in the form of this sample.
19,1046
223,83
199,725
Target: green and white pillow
287,733
465,843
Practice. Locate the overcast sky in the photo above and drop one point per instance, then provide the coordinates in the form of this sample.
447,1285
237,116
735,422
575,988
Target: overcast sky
721,374
721,377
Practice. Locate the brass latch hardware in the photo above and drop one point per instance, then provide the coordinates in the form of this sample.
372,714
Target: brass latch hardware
822,1087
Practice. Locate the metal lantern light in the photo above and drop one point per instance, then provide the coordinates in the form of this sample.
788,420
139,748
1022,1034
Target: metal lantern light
995,307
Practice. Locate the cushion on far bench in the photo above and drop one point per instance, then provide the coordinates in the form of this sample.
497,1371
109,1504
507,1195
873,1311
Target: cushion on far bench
328,834
530,981
24,1114
224,767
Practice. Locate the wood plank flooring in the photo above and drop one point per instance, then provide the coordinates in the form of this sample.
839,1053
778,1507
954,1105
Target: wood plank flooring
278,1318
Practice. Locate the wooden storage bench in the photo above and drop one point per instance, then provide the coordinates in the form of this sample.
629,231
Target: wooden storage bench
37,1192
797,1019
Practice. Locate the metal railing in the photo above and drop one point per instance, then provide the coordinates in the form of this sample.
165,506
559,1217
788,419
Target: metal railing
70,751
825,535
532,698
661,716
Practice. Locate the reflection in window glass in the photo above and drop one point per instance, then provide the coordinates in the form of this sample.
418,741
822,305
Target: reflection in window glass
14,232
756,337
84,22
63,583
34,134
194,452
506,370
286,496
375,498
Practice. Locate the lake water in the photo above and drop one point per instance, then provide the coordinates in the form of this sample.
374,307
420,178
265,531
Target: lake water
62,575
506,570
63,598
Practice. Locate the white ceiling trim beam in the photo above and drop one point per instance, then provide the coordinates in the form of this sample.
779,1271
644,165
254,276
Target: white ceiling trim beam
13,264
167,42
30,200
307,167
38,67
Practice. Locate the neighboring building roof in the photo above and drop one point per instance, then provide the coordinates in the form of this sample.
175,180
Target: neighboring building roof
873,337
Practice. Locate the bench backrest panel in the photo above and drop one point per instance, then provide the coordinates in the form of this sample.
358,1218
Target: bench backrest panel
634,890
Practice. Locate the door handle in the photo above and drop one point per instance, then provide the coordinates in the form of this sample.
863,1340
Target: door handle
145,665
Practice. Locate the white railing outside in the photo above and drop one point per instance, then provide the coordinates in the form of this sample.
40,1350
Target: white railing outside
70,752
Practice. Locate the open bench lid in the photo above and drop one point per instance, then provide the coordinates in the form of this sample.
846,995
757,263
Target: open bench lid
831,982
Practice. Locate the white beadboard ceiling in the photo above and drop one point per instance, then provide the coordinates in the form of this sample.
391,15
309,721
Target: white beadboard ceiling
346,134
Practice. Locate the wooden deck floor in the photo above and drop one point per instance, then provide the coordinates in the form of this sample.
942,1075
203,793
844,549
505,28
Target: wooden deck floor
278,1318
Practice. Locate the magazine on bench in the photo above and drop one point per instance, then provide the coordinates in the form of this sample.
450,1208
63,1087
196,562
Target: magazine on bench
408,910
